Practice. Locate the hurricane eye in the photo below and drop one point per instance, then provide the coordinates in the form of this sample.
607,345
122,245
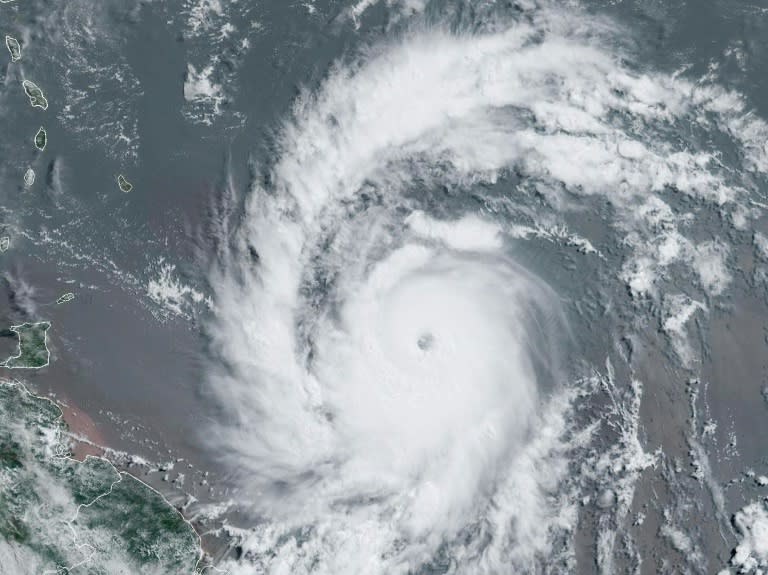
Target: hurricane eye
426,341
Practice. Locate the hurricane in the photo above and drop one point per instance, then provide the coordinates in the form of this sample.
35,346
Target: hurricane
400,380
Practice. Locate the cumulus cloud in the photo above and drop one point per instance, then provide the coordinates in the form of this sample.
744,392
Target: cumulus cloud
751,554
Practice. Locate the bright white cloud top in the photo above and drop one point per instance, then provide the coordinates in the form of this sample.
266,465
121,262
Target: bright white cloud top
393,390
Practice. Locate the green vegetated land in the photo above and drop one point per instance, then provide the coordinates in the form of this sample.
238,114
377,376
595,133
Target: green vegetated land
35,95
33,351
41,139
57,513
13,47
124,184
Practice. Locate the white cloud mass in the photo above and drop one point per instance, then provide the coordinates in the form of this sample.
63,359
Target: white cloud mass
392,388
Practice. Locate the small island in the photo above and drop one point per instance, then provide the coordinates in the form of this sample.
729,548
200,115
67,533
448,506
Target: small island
33,348
69,296
29,177
124,184
35,95
13,47
41,139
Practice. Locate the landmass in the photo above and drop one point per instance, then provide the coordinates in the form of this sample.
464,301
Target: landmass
29,177
60,515
35,95
124,184
41,139
64,298
33,348
13,47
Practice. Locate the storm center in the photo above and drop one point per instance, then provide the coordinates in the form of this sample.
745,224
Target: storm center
426,341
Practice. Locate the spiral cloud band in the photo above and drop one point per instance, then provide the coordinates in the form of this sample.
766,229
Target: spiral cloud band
391,376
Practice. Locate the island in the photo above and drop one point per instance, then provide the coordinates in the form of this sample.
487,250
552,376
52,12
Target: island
35,95
5,243
13,47
61,515
29,177
64,298
41,139
33,348
124,184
